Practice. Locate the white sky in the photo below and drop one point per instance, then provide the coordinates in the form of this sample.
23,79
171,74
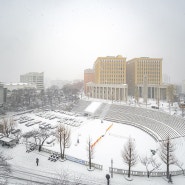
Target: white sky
64,37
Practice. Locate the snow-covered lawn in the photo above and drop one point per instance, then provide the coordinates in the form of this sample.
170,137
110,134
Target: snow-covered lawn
108,147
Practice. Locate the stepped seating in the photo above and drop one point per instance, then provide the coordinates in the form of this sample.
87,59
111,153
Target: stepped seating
100,110
157,122
81,106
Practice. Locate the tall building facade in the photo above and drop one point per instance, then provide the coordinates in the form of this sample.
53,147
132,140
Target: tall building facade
110,70
88,77
107,80
142,71
3,93
34,77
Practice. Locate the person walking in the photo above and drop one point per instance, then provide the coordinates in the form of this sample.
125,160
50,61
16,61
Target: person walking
37,161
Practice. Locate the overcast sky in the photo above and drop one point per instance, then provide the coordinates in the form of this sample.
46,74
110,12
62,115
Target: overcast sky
63,37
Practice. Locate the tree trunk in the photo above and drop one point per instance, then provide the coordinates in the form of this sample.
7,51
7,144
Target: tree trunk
89,155
148,174
129,166
167,162
60,146
40,147
64,146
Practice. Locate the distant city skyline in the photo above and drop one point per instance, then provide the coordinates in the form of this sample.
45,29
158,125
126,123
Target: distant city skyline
62,38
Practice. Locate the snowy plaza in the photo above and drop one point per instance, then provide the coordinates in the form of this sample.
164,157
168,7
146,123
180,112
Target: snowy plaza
107,136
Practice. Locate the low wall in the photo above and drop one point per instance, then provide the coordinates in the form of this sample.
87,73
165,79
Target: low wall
144,173
74,159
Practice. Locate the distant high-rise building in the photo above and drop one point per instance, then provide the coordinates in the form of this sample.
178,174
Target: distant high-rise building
138,68
33,77
3,93
110,70
142,68
88,77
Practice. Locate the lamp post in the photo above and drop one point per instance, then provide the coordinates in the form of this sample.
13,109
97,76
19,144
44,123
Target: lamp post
108,178
111,168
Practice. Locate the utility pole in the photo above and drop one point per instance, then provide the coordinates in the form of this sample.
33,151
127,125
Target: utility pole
111,168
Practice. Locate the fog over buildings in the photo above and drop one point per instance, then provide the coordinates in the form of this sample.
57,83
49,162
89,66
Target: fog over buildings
63,37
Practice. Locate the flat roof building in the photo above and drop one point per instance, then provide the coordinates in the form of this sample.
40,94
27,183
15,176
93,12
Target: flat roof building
16,86
33,77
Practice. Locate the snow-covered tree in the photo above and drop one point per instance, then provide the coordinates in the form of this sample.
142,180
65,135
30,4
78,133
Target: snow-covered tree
8,125
39,136
129,154
150,163
167,155
180,165
64,138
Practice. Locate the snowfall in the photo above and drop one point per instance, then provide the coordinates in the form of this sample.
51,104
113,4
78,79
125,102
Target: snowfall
113,138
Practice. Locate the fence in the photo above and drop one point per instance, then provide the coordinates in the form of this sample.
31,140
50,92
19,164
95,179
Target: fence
141,173
76,160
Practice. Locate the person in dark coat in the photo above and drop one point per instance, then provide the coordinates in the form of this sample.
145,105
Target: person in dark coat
37,161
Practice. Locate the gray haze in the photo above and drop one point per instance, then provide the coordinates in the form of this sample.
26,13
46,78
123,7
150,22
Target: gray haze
64,37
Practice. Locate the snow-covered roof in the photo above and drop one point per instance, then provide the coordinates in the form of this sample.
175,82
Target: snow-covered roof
91,109
6,139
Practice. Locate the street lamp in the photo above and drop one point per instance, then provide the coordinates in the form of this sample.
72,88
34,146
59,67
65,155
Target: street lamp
111,168
108,178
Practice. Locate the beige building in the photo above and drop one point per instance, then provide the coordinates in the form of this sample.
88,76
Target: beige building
33,77
110,70
117,92
107,80
144,77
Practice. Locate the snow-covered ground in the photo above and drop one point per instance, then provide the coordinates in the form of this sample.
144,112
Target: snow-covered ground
109,147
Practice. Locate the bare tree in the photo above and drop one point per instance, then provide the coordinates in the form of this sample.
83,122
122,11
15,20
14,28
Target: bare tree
90,151
170,96
28,135
64,136
7,126
5,169
150,163
180,165
39,136
167,155
129,154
